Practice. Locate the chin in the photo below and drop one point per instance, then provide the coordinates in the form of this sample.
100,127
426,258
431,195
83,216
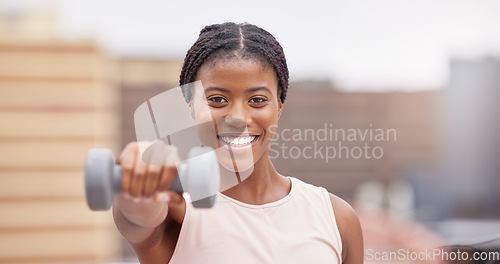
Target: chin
236,157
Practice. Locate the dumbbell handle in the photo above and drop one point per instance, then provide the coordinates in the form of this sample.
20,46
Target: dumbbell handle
117,179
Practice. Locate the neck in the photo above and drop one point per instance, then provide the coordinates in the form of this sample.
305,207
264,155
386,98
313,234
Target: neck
263,184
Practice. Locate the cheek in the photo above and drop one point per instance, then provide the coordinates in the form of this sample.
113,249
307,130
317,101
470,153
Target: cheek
203,116
205,125
269,121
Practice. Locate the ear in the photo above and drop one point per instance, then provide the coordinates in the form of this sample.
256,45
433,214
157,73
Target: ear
280,108
191,111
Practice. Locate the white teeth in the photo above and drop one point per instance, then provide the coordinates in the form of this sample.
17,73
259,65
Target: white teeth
238,141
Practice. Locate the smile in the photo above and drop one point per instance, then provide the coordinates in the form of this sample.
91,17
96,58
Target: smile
238,142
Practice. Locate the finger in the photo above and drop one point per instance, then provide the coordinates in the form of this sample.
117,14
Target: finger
152,180
127,164
156,159
168,175
171,155
138,177
169,170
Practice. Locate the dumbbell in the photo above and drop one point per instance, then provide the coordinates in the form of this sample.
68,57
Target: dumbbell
199,176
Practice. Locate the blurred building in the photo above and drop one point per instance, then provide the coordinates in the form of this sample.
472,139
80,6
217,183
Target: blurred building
140,80
56,101
471,136
36,25
466,182
408,121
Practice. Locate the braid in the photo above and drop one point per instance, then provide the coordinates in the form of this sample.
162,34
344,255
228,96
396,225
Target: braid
228,38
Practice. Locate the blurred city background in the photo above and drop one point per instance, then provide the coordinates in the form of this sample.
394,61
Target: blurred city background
72,74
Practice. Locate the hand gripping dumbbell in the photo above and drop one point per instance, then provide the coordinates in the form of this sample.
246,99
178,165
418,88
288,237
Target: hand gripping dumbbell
198,175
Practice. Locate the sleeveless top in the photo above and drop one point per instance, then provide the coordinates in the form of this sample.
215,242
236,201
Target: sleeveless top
299,228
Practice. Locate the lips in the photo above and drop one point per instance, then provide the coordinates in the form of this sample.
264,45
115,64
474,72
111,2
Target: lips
238,141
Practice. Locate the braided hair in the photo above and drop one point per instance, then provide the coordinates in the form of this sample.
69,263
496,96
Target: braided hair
230,39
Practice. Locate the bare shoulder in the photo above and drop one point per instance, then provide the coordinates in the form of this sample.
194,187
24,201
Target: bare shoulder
344,213
350,230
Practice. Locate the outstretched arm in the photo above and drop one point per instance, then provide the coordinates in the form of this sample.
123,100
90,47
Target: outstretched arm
146,213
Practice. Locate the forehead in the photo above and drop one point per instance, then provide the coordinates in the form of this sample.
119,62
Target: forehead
237,73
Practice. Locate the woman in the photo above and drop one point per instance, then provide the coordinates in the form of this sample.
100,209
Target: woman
267,217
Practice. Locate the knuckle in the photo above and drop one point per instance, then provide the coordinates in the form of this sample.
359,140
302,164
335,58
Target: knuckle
138,156
155,170
171,170
131,147
140,174
127,167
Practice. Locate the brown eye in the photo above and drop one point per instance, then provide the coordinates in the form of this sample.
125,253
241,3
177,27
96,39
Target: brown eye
257,100
217,99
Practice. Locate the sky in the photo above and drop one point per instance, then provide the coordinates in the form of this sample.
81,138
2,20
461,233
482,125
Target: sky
360,45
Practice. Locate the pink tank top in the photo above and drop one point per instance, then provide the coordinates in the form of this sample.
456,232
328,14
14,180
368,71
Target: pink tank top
299,228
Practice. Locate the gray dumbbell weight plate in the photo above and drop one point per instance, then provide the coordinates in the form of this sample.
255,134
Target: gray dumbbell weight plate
202,176
199,176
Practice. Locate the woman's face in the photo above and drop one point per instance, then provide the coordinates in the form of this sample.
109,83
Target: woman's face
243,104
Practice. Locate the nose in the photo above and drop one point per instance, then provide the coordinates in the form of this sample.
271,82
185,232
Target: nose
237,116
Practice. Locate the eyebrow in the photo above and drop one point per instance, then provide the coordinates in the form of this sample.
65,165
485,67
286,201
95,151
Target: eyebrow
213,88
262,88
